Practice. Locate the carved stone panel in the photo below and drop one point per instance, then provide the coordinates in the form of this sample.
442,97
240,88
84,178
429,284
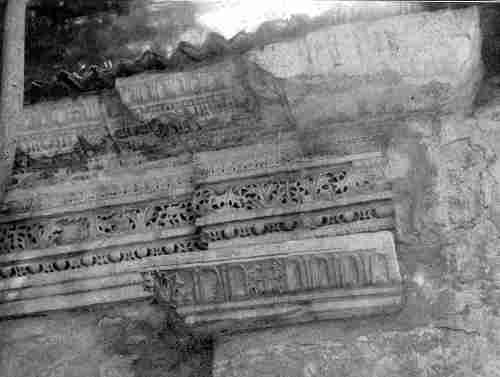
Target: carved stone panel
292,188
127,220
298,197
292,281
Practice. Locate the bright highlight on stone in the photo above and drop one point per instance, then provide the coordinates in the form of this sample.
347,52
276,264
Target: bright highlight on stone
230,17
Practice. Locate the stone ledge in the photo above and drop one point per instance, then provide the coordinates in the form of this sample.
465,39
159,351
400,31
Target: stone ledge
306,207
64,289
292,310
106,262
132,186
292,164
366,226
122,240
73,300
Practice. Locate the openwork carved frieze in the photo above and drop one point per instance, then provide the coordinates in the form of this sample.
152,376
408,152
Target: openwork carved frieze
94,225
285,190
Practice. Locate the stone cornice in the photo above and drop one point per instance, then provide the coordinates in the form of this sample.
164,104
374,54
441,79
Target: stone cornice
73,253
248,166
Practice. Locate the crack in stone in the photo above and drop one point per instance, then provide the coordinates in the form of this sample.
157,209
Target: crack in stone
458,329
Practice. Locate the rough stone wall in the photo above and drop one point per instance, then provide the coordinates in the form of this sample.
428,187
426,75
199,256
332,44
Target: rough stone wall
129,340
446,174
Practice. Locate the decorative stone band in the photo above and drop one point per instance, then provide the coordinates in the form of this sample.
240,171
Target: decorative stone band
288,282
121,183
339,195
355,218
37,278
31,266
69,253
170,178
237,199
91,277
293,188
97,228
41,270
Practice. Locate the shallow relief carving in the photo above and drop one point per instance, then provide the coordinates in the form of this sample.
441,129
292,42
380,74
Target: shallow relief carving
102,257
372,216
148,118
282,283
270,277
172,178
297,204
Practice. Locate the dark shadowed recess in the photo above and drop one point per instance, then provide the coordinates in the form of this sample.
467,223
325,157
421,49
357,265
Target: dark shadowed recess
82,46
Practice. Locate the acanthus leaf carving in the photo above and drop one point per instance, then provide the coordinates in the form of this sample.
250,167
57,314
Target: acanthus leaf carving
283,191
93,225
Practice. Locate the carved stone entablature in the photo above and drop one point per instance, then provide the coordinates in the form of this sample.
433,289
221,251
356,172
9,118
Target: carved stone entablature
105,247
48,268
167,178
368,217
288,190
113,179
144,220
221,84
284,283
252,187
148,118
298,198
62,114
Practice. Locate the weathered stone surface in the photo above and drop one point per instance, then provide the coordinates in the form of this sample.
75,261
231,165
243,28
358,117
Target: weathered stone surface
72,254
131,340
392,66
284,283
328,349
12,86
445,178
444,174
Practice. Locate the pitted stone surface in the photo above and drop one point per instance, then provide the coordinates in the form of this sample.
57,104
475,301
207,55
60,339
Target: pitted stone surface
130,340
409,63
446,181
445,176
325,350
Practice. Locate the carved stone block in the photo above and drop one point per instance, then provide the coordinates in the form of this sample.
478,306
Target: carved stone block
418,62
282,283
156,217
